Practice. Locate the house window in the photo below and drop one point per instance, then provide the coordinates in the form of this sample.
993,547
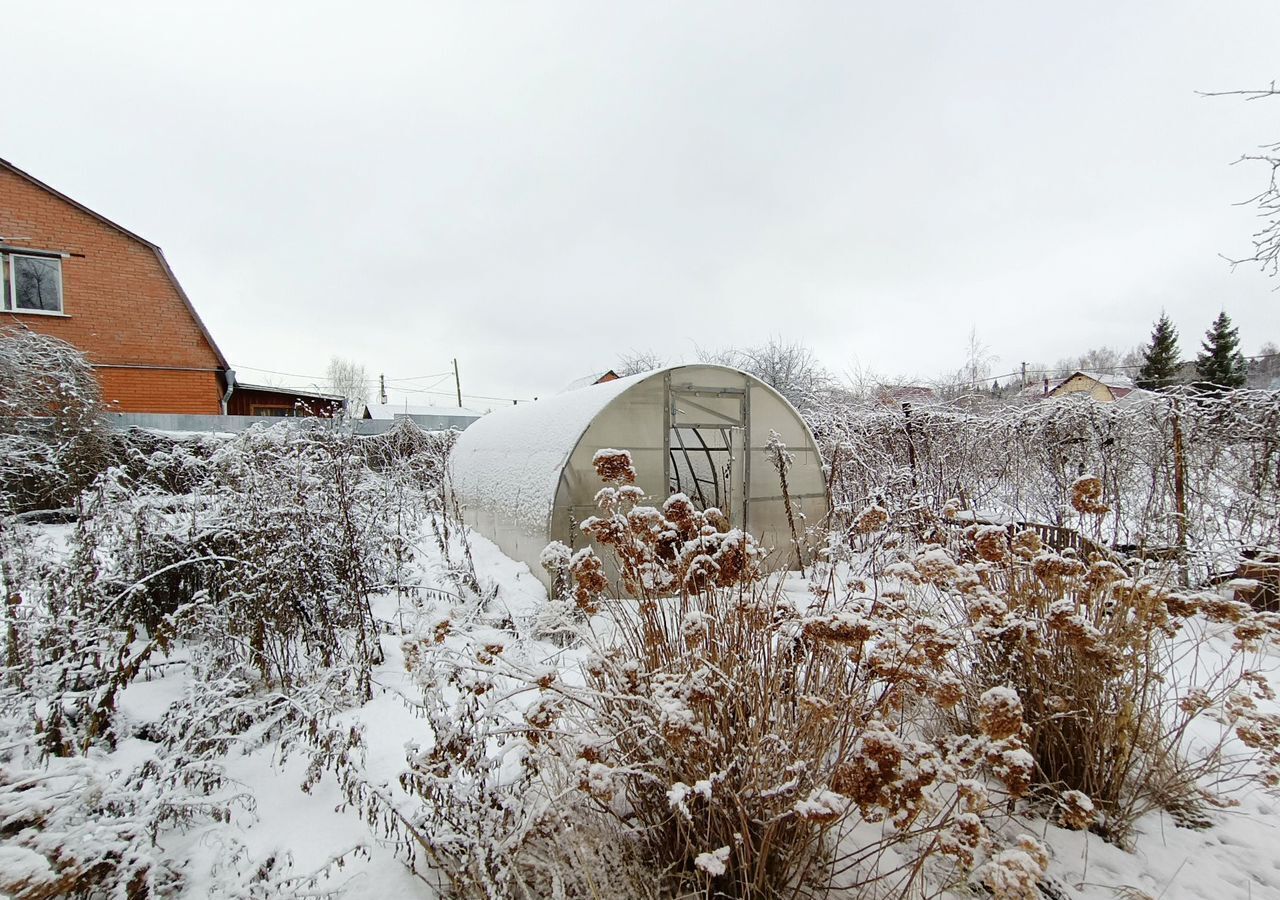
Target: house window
32,284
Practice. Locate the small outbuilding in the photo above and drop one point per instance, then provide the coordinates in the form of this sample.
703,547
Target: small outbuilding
523,475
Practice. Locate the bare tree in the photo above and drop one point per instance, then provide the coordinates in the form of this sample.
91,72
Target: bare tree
633,362
1132,360
790,368
972,377
977,363
1266,241
1099,359
725,356
351,382
864,383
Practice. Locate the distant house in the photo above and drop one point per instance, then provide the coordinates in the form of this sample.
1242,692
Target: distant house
74,274
432,418
588,380
1097,385
264,400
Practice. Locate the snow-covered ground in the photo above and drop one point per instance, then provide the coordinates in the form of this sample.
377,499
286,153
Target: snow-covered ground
305,830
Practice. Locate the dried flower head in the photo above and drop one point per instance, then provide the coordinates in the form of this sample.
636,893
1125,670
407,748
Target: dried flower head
716,519
589,581
1000,713
614,466
1027,544
991,542
1086,496
1076,811
872,518
1013,873
680,511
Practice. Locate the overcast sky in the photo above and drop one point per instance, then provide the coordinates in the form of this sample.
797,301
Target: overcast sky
536,188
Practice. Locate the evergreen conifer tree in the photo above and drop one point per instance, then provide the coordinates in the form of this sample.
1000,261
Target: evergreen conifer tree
1160,357
1222,364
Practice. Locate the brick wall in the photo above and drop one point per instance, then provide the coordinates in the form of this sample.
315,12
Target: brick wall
144,390
120,306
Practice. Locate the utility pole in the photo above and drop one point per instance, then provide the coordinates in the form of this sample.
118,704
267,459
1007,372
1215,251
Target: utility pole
382,389
1024,376
457,382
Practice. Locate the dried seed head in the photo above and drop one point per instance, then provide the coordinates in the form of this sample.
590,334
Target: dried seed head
614,466
1086,496
872,518
680,510
1076,812
992,543
1000,713
589,582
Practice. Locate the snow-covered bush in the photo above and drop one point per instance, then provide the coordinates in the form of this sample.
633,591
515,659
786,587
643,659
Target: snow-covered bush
52,443
255,581
1021,462
1113,684
720,733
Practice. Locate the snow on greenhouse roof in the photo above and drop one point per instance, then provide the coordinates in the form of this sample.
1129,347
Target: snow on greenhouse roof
542,436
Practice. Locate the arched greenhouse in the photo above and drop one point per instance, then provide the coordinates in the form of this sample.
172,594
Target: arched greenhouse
523,475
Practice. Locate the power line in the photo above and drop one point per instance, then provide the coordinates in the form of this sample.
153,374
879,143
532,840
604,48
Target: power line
421,377
427,389
287,374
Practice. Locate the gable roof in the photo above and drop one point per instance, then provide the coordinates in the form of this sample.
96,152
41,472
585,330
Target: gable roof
1119,385
164,263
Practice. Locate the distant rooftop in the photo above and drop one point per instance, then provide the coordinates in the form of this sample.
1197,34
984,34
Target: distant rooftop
1119,384
588,380
1111,381
291,392
396,410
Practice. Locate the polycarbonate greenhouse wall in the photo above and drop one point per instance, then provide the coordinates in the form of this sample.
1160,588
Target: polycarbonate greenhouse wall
523,475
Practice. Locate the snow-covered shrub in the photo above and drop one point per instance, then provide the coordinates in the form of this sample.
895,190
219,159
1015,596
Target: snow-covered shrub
1022,462
252,580
271,556
1111,672
268,562
501,815
734,739
408,451
52,443
81,829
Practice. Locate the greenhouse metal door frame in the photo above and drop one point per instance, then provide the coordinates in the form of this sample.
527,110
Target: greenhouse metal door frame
690,420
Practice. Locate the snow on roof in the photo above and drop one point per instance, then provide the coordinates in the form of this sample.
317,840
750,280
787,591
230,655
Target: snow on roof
482,463
1111,381
289,391
392,410
1117,383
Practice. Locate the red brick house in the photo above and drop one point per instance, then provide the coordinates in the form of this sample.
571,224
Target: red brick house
72,273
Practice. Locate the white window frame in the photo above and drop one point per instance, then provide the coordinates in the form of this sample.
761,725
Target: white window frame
11,300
